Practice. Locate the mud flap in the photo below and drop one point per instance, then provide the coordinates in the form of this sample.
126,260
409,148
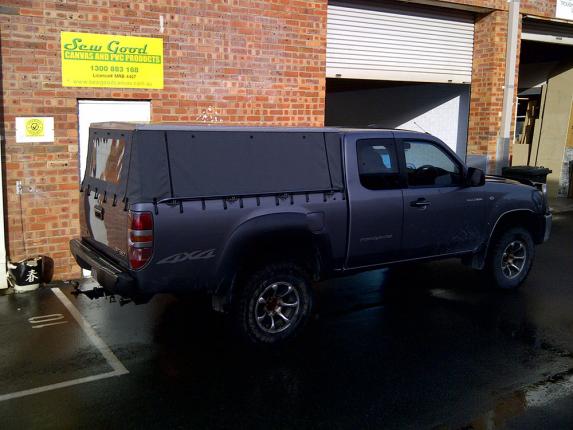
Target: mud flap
477,260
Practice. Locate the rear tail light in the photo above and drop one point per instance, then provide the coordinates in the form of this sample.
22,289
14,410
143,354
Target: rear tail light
139,238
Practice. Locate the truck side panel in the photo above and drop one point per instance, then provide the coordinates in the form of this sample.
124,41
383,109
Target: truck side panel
195,241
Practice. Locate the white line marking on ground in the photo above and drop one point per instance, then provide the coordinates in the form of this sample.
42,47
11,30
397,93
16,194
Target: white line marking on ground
58,385
91,334
118,368
49,324
45,318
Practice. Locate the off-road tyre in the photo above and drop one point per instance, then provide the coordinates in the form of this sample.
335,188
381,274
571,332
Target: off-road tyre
510,258
255,310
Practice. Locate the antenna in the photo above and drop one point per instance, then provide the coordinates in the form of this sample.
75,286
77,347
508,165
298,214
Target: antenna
420,127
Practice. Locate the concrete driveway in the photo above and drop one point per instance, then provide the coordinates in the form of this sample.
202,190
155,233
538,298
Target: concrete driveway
422,346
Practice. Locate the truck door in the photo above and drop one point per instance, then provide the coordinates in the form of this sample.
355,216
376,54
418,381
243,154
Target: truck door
441,215
375,199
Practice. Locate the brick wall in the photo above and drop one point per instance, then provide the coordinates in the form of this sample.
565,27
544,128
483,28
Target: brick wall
488,80
542,8
488,75
254,62
487,83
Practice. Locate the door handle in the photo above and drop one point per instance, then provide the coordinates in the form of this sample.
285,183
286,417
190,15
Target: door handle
98,211
421,203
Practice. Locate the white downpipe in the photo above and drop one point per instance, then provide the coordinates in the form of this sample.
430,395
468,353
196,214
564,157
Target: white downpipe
504,138
3,279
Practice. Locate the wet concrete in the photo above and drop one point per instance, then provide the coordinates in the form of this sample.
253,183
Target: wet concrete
41,344
420,346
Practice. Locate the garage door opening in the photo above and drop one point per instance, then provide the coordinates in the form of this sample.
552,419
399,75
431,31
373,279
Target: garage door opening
544,122
399,65
439,109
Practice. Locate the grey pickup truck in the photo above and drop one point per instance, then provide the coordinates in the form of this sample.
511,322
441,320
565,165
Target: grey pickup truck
252,216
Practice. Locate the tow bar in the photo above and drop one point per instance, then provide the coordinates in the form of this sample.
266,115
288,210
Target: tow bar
99,292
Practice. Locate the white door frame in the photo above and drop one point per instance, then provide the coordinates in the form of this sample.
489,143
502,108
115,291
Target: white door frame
104,110
3,279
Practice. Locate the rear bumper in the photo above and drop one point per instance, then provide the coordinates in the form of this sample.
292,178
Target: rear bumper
109,275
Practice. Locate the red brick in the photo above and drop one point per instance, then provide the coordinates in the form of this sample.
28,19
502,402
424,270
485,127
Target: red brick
261,64
216,54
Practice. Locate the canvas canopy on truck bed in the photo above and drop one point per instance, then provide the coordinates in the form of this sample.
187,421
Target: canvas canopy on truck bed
157,162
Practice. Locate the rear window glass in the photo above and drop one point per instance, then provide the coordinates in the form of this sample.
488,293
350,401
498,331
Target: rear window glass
107,159
378,164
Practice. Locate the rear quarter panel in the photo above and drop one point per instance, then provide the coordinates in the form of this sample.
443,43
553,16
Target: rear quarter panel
191,241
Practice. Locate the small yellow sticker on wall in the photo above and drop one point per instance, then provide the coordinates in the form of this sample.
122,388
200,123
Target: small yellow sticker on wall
109,61
34,129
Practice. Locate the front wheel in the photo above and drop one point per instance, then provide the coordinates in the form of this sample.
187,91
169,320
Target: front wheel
510,258
273,304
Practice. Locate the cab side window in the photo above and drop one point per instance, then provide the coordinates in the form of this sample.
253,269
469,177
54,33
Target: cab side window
428,165
378,164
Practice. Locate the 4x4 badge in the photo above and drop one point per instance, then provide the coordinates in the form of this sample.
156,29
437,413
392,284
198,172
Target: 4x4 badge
185,256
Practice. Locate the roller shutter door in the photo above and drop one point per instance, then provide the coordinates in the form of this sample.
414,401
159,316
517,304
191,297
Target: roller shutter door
399,42
549,32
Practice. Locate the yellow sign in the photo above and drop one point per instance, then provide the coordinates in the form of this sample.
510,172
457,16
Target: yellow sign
34,127
108,61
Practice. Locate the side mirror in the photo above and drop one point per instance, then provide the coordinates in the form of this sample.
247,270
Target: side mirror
475,177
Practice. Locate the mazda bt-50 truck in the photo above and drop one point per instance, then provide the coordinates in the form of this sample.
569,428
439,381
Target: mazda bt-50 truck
253,216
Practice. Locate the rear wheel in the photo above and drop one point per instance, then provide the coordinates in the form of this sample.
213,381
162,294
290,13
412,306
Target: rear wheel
511,257
273,304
